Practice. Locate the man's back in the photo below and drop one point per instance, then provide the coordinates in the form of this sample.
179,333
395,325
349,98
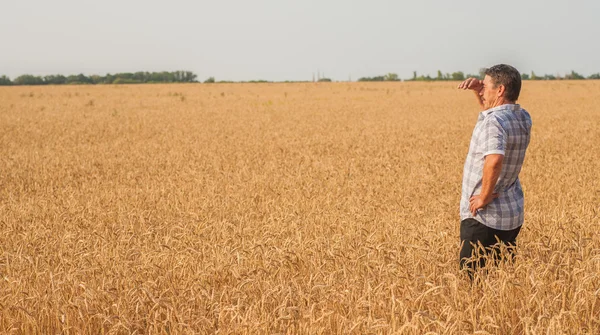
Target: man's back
501,130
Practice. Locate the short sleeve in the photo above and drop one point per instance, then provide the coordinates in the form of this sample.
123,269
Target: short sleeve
494,137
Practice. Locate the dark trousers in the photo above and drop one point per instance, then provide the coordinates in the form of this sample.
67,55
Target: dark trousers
480,240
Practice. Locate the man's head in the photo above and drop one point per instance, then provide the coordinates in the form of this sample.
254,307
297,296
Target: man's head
501,85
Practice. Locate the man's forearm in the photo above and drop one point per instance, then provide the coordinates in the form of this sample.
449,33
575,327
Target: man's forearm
491,172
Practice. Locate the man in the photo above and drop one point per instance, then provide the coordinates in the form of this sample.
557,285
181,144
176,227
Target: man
491,206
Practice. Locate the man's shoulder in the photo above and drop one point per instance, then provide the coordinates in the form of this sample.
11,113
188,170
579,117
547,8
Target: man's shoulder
510,113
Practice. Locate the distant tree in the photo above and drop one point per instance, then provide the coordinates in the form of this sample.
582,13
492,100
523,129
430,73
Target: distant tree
458,76
184,76
78,79
391,77
72,79
141,77
109,78
96,79
549,77
377,78
161,77
574,76
210,80
439,75
121,81
423,78
414,75
594,76
5,81
28,79
119,78
533,76
126,77
325,80
524,76
55,79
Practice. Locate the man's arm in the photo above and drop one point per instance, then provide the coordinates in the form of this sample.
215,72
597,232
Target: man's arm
492,166
475,85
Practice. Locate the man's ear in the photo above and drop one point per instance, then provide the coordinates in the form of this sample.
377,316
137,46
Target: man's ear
501,90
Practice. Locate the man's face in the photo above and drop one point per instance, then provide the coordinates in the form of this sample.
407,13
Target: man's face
489,93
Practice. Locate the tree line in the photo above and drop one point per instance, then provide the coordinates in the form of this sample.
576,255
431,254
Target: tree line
118,78
455,76
190,77
459,76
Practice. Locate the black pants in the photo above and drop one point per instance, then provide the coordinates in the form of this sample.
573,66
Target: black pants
481,240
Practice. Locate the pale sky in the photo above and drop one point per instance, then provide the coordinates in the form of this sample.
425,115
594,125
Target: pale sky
291,40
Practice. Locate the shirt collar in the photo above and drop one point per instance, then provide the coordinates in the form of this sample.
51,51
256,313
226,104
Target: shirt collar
512,107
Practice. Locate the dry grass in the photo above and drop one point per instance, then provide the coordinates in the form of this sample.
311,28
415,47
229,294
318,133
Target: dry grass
284,208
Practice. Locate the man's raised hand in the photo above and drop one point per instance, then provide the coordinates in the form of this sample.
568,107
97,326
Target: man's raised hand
471,84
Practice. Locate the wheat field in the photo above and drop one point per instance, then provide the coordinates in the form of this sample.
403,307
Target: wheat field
315,208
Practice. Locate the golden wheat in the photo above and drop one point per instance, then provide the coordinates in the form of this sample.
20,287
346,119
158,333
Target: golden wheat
285,208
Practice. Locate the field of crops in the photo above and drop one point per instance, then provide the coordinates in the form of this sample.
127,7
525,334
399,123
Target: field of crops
327,208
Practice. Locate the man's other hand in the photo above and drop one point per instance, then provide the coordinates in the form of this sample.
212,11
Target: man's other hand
471,84
477,202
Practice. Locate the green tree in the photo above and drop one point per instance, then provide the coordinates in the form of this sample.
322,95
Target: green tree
5,81
594,76
376,78
524,76
119,78
78,79
28,79
55,79
391,77
574,75
210,80
140,77
184,76
96,79
458,76
533,76
109,78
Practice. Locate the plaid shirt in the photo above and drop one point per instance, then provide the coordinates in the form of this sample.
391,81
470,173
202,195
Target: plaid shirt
503,130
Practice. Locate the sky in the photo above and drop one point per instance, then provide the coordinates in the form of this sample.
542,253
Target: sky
292,40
